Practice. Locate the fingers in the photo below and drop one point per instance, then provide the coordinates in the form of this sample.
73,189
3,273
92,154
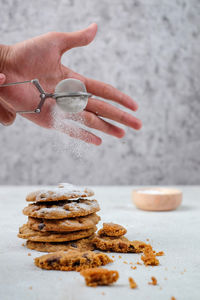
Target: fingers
91,120
7,113
107,91
80,38
111,112
79,133
103,90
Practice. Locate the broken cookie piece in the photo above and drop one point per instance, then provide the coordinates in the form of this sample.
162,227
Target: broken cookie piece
118,244
149,257
97,276
111,229
72,260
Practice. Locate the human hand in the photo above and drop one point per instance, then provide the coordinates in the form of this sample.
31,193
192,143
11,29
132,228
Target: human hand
40,58
7,112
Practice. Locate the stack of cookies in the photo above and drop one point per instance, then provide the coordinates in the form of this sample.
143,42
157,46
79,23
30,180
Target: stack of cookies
61,218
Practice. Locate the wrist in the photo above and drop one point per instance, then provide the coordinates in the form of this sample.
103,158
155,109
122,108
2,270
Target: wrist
4,53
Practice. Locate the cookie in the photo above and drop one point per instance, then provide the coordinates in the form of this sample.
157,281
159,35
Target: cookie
64,191
72,260
74,224
62,209
37,236
111,229
97,276
118,244
81,245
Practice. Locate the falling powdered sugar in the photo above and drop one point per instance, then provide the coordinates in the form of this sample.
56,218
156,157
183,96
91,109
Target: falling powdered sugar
69,133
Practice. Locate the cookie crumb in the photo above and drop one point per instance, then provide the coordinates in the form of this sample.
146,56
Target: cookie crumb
23,244
147,240
149,258
154,281
103,293
134,268
120,256
165,278
30,288
173,298
125,262
113,256
138,263
132,283
160,253
29,254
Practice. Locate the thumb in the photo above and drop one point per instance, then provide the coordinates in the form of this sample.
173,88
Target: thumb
80,38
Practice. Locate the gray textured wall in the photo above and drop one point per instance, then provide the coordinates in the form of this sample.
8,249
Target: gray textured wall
150,50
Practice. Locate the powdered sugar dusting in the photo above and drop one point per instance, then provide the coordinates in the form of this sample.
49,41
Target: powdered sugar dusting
64,190
71,207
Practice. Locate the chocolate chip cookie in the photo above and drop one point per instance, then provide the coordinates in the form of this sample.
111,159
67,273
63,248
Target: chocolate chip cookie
64,191
71,260
81,245
37,236
62,209
118,244
63,225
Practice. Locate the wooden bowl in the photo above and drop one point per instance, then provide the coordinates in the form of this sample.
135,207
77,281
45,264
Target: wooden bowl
157,199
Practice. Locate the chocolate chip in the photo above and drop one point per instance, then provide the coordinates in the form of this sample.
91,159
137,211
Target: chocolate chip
52,260
131,246
76,263
122,245
74,245
41,226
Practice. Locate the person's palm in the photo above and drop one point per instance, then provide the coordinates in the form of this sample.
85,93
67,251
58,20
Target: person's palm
40,58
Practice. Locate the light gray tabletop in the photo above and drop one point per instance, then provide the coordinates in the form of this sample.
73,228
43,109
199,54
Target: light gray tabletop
177,233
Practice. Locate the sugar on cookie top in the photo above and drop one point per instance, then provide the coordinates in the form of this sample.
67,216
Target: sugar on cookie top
64,191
